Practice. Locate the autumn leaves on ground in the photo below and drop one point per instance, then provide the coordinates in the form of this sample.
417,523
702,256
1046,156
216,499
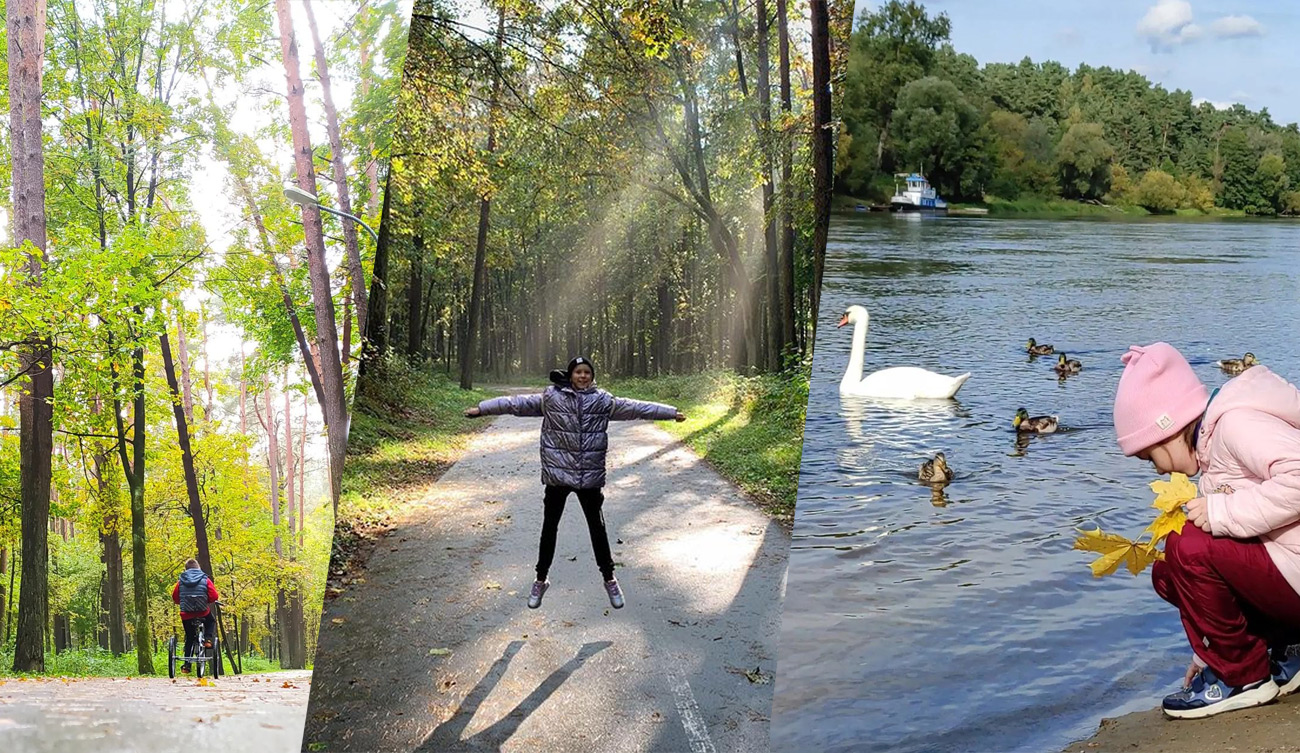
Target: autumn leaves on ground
174,358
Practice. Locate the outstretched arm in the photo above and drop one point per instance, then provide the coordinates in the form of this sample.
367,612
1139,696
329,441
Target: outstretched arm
515,405
627,409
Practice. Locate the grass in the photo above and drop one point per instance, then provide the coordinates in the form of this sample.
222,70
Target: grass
96,662
750,429
407,429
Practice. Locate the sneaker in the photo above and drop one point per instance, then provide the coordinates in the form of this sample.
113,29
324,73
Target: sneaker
615,593
539,590
185,670
1286,673
1208,695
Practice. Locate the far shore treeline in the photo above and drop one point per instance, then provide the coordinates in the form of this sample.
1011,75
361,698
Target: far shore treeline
1027,133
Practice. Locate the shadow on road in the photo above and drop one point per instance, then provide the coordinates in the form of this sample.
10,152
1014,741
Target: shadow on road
446,736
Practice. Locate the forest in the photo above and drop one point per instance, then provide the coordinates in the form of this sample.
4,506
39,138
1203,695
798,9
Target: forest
177,336
1030,130
637,182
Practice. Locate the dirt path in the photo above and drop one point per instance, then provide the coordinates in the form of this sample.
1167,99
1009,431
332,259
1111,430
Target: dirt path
110,714
1274,728
434,649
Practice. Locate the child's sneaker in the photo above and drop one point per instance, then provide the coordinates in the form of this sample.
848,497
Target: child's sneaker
539,590
615,593
1286,673
1208,695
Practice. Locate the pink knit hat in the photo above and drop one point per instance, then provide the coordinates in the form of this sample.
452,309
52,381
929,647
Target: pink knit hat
1158,396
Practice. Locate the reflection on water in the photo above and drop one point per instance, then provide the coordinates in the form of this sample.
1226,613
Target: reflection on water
920,619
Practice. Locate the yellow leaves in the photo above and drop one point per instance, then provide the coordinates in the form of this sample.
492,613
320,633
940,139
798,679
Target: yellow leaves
1174,493
1116,550
204,682
1166,523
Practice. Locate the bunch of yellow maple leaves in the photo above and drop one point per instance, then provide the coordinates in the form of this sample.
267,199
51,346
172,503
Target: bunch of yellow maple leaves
1116,550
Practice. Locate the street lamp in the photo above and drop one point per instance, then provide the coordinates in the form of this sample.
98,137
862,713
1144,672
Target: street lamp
304,199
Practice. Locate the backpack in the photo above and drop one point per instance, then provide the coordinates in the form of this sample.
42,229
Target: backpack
194,595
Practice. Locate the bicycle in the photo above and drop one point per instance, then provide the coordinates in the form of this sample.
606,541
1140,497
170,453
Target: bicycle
207,654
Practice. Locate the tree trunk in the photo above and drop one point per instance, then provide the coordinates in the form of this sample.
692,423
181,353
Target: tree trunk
183,359
273,462
187,461
302,478
207,372
355,271
376,342
414,289
113,592
133,467
785,274
26,28
773,344
823,148
4,602
336,414
290,477
485,208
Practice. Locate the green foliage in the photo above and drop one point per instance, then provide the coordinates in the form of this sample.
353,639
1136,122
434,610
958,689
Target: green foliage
1158,191
937,133
1047,131
1083,161
749,429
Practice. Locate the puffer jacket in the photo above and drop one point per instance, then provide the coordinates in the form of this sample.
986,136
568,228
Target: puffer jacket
574,428
1249,453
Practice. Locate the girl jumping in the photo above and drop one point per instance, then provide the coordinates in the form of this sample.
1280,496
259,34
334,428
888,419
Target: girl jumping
575,417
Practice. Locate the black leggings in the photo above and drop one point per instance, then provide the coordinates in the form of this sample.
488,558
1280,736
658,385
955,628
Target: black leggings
192,634
591,500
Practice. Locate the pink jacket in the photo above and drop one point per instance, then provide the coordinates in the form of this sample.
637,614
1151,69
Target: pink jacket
1249,452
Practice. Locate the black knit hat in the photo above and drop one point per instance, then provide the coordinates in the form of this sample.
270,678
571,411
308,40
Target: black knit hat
580,361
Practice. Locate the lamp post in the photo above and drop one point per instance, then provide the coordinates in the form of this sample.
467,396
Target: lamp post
304,199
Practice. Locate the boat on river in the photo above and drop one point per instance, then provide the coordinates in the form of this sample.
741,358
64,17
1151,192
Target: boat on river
913,193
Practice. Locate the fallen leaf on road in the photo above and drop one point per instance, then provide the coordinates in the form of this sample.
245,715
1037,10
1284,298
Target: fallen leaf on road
421,602
288,684
439,652
756,675
315,746
446,685
606,612
493,586
657,717
205,683
338,620
512,593
574,558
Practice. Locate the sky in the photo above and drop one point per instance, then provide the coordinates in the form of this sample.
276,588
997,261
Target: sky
1222,51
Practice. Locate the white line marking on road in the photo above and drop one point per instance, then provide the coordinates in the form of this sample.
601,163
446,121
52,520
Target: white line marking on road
689,711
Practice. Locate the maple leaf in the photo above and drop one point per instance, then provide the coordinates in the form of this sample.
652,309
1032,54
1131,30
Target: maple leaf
1174,493
1115,550
1170,521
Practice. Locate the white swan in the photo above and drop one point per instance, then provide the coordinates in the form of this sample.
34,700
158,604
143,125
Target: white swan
903,382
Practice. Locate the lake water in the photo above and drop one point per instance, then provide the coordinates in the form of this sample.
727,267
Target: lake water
971,625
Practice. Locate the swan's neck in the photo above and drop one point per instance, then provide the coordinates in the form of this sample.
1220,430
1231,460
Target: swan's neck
853,374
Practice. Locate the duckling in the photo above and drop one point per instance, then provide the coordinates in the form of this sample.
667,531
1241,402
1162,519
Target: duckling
1236,366
1034,349
1068,366
1035,425
936,471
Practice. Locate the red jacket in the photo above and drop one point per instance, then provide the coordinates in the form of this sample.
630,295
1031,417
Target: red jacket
212,596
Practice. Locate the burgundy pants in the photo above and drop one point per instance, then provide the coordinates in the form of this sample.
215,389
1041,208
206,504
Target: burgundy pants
1234,603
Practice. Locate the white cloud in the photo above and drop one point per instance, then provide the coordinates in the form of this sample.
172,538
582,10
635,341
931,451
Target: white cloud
1217,105
1168,24
1229,27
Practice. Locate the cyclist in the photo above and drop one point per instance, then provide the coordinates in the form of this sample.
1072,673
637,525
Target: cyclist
195,593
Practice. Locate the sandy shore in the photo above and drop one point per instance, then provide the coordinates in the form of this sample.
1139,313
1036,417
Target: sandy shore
1274,728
